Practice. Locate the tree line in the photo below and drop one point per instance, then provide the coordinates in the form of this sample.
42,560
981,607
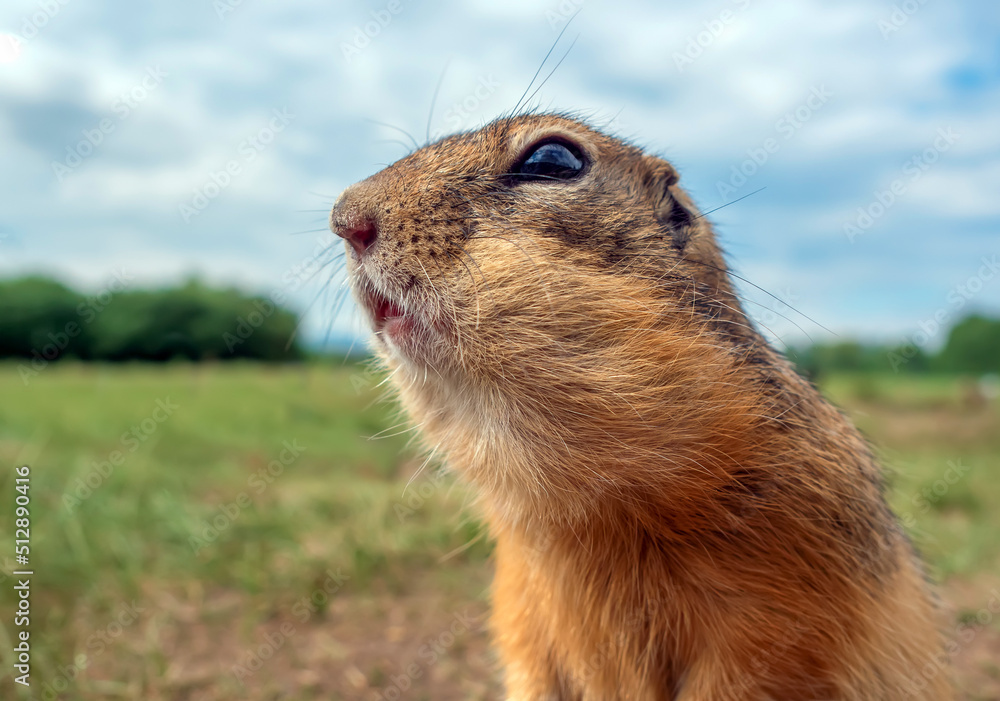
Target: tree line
972,347
43,320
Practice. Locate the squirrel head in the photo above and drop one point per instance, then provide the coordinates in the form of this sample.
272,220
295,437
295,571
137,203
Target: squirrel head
525,235
553,311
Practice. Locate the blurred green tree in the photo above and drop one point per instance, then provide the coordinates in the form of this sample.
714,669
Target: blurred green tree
973,346
40,317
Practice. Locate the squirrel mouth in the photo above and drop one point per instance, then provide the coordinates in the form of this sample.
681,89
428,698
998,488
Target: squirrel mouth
387,315
401,325
383,309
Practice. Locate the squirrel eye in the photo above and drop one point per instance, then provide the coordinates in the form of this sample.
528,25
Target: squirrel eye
552,160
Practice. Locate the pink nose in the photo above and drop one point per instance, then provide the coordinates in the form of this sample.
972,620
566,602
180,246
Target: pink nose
359,230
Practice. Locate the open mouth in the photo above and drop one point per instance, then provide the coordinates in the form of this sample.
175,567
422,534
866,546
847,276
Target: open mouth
401,323
383,309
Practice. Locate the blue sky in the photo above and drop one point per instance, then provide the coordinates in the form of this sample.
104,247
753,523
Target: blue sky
873,126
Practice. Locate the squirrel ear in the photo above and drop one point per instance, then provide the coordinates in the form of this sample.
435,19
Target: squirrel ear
671,206
690,233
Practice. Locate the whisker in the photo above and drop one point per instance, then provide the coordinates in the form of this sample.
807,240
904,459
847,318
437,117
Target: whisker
552,48
407,134
309,308
406,147
308,231
738,199
454,315
322,195
437,90
769,294
540,85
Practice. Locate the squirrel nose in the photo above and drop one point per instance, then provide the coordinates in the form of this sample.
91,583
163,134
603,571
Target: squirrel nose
359,230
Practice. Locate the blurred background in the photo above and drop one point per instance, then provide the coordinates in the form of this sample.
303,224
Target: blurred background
221,505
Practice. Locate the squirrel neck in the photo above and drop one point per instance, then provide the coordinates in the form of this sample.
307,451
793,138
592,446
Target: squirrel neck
686,435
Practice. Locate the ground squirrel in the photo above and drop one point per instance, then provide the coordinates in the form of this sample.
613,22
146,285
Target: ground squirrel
677,514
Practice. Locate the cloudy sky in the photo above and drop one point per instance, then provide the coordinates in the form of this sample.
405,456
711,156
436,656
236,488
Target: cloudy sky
198,137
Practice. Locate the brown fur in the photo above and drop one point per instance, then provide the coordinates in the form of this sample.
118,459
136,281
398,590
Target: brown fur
677,514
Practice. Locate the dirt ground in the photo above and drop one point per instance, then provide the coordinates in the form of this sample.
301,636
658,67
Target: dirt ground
429,642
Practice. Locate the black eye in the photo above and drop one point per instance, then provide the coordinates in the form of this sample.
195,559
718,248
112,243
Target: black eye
552,160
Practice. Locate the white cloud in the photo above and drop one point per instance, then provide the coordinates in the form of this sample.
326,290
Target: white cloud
968,192
890,95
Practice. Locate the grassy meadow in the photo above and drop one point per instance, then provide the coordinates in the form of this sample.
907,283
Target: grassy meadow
244,531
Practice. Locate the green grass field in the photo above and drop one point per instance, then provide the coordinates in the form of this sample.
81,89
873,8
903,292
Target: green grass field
261,532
